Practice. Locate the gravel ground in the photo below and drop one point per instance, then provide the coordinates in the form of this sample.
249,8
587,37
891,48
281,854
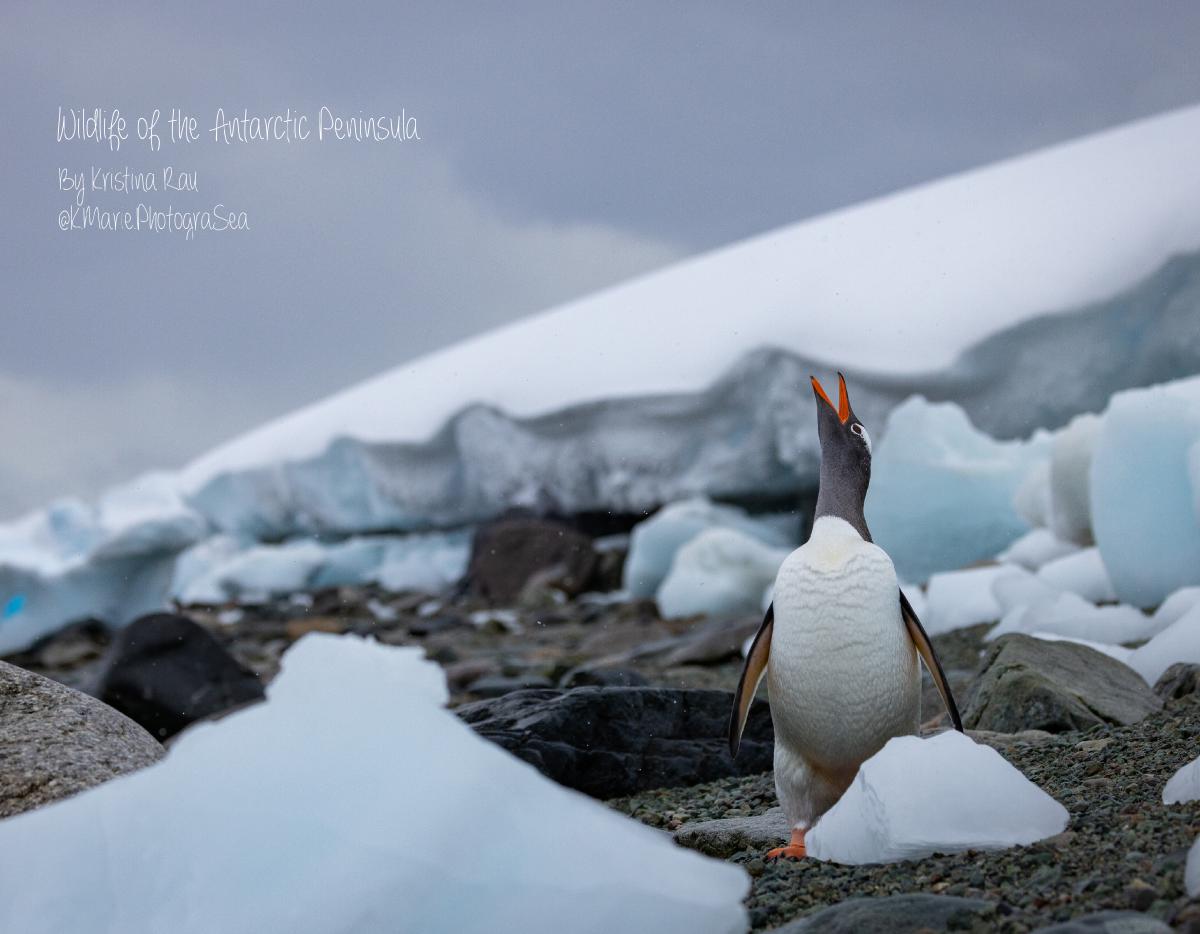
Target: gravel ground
1123,849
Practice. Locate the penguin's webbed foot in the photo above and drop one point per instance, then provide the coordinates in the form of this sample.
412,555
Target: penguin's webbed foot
793,850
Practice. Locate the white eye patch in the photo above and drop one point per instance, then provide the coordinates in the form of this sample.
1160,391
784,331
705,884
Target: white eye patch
862,433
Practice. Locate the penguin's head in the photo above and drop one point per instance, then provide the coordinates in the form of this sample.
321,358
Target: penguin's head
845,444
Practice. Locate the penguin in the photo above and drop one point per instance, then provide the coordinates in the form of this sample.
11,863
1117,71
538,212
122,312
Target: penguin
839,644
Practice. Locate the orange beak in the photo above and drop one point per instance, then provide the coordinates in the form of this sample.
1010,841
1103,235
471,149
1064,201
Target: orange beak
843,406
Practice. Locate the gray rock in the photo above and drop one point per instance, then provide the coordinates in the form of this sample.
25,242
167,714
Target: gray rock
603,678
1027,683
499,685
896,914
55,741
1003,741
1177,681
723,838
711,642
1109,922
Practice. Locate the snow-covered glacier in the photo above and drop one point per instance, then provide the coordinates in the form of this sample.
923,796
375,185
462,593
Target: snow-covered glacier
693,381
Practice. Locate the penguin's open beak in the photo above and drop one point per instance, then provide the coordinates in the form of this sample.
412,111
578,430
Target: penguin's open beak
843,406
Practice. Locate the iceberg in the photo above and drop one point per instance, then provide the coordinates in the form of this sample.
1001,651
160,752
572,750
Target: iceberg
909,801
720,572
1142,498
443,831
655,541
941,493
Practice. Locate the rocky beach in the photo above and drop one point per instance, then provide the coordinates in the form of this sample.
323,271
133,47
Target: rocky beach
601,694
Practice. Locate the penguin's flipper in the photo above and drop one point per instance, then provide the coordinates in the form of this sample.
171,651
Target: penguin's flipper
917,633
752,674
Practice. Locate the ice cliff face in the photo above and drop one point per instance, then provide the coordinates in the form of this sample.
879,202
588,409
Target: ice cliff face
750,436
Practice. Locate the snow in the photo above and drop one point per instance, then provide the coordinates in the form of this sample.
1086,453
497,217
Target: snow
1179,642
1069,615
963,598
1035,548
654,541
720,572
1184,785
440,830
1143,502
1032,498
1119,652
1175,606
916,599
1191,873
430,562
1020,589
224,568
1070,466
1081,573
934,470
909,801
269,570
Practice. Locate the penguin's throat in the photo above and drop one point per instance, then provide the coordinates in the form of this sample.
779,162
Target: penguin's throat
841,499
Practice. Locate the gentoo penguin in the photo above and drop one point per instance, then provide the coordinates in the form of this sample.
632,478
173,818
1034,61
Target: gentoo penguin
839,643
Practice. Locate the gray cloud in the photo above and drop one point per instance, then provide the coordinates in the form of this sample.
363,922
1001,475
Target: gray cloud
564,147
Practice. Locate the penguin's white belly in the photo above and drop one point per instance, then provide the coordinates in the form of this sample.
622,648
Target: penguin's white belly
843,674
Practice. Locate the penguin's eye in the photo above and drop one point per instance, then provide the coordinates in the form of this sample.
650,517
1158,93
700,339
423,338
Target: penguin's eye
859,430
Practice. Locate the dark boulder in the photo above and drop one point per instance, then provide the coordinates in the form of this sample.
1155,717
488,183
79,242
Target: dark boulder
1031,684
603,678
166,671
897,914
613,741
496,685
55,741
508,554
711,642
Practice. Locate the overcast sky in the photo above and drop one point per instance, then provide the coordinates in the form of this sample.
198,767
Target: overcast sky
563,147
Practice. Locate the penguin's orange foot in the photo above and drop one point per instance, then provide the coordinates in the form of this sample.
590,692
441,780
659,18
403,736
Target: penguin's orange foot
794,850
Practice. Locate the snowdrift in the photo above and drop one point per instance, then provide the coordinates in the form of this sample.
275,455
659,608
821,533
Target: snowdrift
350,801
